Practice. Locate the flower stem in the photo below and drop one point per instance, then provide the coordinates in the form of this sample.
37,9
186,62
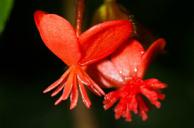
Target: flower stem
109,1
84,118
79,15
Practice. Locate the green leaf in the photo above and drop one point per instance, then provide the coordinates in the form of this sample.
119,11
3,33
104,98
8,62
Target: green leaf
5,8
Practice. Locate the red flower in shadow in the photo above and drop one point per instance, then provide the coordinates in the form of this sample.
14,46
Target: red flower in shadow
79,52
125,71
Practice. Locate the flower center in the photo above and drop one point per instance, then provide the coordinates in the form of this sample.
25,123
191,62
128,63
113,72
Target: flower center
132,87
70,82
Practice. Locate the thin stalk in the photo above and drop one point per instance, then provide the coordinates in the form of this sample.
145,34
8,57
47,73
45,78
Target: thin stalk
83,118
109,1
79,15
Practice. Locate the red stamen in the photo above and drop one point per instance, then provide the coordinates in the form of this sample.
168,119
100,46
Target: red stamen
130,98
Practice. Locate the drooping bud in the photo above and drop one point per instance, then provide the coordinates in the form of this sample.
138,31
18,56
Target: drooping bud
110,10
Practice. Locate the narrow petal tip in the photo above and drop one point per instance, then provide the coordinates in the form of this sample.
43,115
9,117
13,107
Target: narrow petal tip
88,105
46,90
72,106
38,15
58,101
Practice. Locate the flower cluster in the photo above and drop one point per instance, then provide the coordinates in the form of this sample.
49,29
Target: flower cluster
106,55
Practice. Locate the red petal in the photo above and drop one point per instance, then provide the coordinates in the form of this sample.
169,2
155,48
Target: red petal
84,80
102,39
56,83
143,108
161,96
38,16
155,84
156,47
84,95
90,83
67,88
59,36
133,104
127,114
152,96
128,58
74,94
98,77
109,71
120,109
105,83
59,88
110,99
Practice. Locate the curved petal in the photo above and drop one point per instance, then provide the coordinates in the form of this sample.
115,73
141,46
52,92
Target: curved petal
105,74
84,95
102,39
108,70
156,47
74,94
106,83
128,58
59,36
97,77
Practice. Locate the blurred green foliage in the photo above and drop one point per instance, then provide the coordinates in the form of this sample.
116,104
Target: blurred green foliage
5,9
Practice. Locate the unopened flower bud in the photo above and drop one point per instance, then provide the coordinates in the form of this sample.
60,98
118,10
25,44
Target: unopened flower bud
110,10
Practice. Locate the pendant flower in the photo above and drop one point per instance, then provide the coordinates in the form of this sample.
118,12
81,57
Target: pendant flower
125,71
79,51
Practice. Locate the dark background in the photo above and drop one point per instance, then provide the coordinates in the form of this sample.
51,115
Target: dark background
27,67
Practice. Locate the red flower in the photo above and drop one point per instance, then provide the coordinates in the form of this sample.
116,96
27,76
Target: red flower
125,70
79,52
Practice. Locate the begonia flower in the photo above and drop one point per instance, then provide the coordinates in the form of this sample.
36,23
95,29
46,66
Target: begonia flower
125,71
77,52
